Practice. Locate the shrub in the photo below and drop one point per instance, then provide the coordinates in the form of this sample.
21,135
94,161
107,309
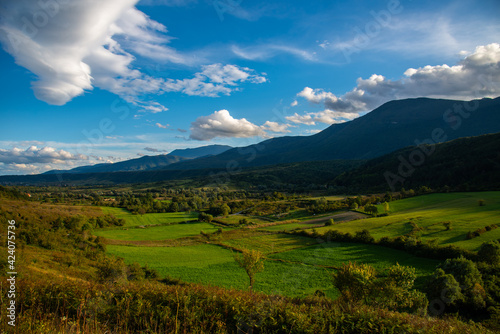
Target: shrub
489,252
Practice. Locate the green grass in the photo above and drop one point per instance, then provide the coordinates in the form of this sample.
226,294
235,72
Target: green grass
149,218
162,232
335,253
214,265
429,212
271,243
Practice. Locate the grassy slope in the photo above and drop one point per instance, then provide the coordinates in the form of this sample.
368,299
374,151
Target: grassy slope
429,212
149,218
163,232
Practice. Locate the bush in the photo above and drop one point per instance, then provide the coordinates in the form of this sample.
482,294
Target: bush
489,252
111,270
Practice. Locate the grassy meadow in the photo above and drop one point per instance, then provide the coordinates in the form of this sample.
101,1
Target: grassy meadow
162,232
429,213
297,265
149,218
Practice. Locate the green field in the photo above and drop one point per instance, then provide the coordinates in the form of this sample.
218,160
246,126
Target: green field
429,212
162,232
149,218
270,243
297,266
214,265
302,273
333,254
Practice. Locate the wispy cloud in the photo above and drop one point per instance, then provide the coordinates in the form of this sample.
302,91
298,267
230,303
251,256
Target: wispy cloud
100,43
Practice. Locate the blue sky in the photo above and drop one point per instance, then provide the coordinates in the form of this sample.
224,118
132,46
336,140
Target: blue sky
88,81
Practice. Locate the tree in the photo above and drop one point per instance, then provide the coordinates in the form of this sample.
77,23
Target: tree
252,262
329,222
225,209
469,277
489,252
354,281
444,287
371,209
386,207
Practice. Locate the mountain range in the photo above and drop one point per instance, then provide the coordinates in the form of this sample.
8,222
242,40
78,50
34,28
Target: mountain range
149,162
390,127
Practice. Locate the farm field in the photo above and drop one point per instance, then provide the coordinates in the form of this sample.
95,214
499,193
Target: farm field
429,212
272,243
235,219
149,218
301,275
214,265
333,254
162,232
317,220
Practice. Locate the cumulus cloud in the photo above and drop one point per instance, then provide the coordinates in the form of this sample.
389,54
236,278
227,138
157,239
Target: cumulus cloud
326,116
275,127
34,154
99,43
215,79
222,124
306,119
475,76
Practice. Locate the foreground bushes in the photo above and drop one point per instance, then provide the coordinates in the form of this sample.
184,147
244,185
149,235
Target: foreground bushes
152,307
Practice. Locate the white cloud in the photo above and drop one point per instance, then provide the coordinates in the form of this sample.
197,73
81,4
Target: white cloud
270,50
214,80
475,76
444,32
153,107
301,119
34,154
275,127
326,116
294,103
222,124
100,43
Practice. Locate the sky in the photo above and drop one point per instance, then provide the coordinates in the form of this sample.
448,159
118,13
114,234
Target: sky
93,81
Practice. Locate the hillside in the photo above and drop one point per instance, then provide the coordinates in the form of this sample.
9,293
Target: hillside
139,164
392,126
464,164
198,152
